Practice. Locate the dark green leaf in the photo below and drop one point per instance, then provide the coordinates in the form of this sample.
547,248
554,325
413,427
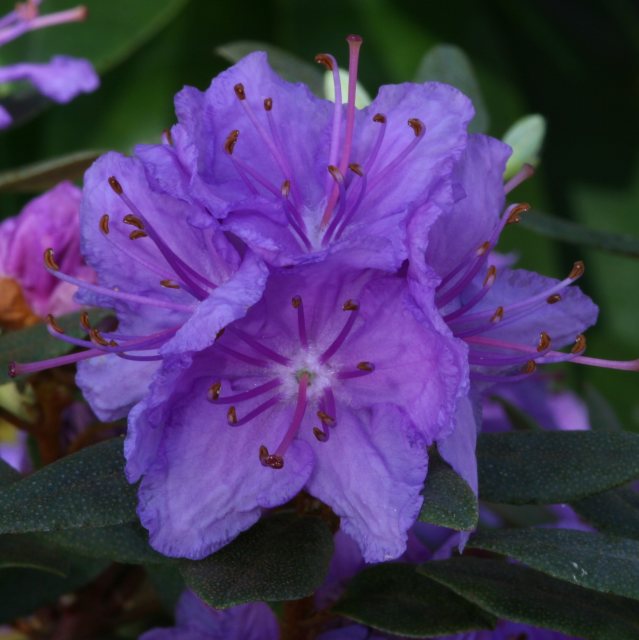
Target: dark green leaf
7,474
86,489
592,560
517,593
28,552
396,599
546,467
614,511
44,175
448,63
36,343
283,557
573,233
289,66
448,500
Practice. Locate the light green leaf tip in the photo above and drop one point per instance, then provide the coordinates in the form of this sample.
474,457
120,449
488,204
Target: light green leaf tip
526,137
362,98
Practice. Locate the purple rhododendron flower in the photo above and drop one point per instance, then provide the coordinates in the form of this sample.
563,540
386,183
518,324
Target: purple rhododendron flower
323,385
61,79
195,620
50,219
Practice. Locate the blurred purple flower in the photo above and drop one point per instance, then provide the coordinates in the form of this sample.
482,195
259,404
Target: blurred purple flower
50,219
195,620
61,79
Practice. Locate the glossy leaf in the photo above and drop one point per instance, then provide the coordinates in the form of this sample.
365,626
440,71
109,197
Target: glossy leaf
523,595
289,66
448,500
448,63
574,233
615,511
592,560
86,489
547,467
396,599
44,175
283,557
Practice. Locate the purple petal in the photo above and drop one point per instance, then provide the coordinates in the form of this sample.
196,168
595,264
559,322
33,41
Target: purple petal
5,118
372,477
62,79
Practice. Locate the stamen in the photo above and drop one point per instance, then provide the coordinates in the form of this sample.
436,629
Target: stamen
84,321
53,324
49,260
301,322
544,342
354,44
214,392
100,340
239,91
325,418
268,104
104,224
231,416
516,213
115,185
167,137
169,284
231,141
259,347
368,367
580,344
328,404
553,299
353,307
238,422
577,270
133,220
321,434
331,64
137,234
298,415
527,171
20,369
498,315
242,356
417,126
269,460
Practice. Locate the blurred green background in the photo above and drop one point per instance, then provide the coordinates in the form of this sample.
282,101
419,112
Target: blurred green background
575,62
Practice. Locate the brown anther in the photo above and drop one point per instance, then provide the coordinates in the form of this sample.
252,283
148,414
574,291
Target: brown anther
490,275
231,415
553,299
356,168
214,391
544,342
296,301
113,343
220,333
498,315
483,248
169,284
239,91
231,141
324,59
577,270
286,188
580,344
320,434
379,117
350,305
137,234
115,185
84,321
98,338
336,174
169,136
417,126
268,104
366,366
325,418
54,324
270,460
516,213
134,221
529,367
49,260
104,224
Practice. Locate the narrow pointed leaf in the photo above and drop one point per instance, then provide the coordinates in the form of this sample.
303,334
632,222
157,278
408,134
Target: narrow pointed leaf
396,599
523,595
282,557
86,489
548,467
615,511
448,500
592,560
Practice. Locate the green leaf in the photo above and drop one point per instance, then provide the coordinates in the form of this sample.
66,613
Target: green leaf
36,343
448,500
523,595
547,467
28,552
44,175
448,63
601,415
86,489
591,560
289,66
526,138
283,557
615,512
396,599
574,233
7,474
